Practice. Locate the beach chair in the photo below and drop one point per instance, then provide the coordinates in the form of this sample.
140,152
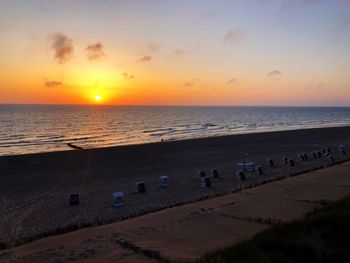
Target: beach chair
118,199
241,166
242,176
141,187
74,199
250,167
201,174
270,162
291,162
205,182
259,170
342,149
164,181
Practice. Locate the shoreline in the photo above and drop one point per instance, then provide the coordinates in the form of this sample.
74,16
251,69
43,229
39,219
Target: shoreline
176,140
39,184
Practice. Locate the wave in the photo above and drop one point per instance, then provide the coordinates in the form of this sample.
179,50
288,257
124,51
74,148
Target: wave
158,130
26,132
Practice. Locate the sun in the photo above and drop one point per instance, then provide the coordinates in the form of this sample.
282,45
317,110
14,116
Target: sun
98,98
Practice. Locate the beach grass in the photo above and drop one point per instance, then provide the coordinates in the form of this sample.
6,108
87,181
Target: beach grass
322,236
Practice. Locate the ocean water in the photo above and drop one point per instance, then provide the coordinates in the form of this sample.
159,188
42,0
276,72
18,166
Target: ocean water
45,128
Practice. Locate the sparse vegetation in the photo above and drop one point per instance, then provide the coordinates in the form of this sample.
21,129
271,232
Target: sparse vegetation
154,254
322,236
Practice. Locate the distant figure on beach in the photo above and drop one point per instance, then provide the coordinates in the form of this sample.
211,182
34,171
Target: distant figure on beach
162,140
75,147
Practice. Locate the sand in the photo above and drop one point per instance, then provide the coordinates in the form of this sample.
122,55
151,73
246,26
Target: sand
34,188
188,231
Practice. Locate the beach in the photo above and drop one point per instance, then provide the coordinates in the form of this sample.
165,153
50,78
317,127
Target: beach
35,188
189,231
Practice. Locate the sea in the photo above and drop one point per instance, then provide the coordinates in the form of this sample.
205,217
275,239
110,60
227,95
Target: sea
45,128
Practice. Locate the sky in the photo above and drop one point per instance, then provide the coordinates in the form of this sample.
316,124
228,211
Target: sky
183,52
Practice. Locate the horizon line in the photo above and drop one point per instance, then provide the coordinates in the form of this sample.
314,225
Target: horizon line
171,105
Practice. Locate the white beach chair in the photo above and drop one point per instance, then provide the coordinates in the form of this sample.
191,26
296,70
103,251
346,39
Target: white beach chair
241,167
250,167
118,199
164,181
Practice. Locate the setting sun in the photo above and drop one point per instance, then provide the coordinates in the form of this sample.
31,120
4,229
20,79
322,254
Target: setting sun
98,98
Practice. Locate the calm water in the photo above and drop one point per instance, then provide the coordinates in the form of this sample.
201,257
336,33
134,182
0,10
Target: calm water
30,129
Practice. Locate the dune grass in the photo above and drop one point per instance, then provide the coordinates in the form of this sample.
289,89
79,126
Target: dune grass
322,236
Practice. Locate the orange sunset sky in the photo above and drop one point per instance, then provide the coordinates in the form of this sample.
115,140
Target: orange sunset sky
248,52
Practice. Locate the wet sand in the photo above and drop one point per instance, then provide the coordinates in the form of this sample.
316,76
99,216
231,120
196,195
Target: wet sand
34,188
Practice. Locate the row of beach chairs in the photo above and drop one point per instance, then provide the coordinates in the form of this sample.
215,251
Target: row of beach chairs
205,181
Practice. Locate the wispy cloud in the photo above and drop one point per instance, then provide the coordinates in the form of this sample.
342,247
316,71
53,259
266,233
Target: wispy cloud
52,83
274,73
63,47
233,36
313,86
145,59
180,52
192,82
127,76
153,47
95,51
231,81
186,51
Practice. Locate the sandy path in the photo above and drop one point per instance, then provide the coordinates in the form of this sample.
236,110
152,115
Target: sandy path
190,230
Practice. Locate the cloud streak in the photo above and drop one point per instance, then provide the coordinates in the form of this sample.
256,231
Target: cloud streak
313,86
95,51
233,37
180,52
127,76
62,46
53,84
274,73
192,82
153,47
145,59
231,81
